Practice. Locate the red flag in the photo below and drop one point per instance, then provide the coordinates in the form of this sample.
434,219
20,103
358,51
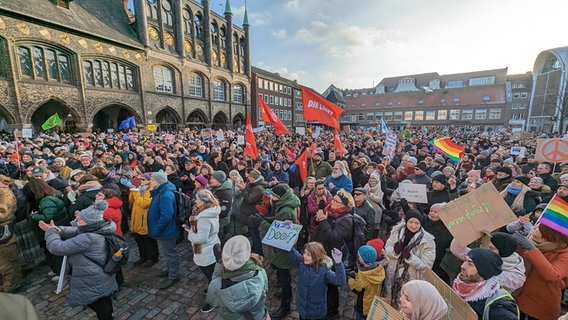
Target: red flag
302,165
250,141
337,143
318,108
269,116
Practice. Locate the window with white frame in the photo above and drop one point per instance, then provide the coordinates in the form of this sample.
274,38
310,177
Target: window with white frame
408,115
370,116
480,114
238,93
378,115
495,114
442,114
163,78
430,115
455,114
481,81
219,90
195,85
271,100
361,117
467,114
419,115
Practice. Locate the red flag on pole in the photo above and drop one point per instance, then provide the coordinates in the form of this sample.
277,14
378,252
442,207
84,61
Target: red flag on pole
320,109
337,143
302,165
250,141
269,116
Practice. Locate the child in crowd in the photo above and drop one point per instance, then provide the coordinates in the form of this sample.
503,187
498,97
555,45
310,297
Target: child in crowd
368,281
524,224
314,274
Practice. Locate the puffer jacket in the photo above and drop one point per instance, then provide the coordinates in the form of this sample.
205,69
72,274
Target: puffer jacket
161,213
246,294
139,216
368,283
224,194
311,298
421,257
89,282
114,212
333,231
283,209
52,208
206,236
341,182
252,195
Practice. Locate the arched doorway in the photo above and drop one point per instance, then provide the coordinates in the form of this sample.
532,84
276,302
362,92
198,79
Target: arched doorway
239,121
219,121
69,118
196,120
111,116
167,120
6,119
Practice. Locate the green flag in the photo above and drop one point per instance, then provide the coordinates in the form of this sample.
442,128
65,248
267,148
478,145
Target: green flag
51,122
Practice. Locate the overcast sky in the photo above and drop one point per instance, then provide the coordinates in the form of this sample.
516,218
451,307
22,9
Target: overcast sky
356,43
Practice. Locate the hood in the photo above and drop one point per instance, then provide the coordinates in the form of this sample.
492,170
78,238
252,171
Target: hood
210,212
168,186
512,261
287,200
114,203
260,182
373,276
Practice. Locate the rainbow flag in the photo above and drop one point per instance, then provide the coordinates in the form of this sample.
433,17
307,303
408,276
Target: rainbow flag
446,146
555,215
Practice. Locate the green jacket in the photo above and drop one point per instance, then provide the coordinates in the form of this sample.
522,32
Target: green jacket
284,209
52,208
323,170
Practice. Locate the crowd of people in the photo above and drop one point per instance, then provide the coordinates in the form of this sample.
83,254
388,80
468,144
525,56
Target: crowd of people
63,194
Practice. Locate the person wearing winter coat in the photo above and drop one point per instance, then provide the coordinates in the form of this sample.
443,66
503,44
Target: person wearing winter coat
364,209
278,175
367,282
318,199
86,249
339,179
410,250
10,268
252,193
113,212
512,276
519,196
171,171
239,283
203,234
314,277
436,227
236,226
140,199
335,227
222,188
375,197
420,300
88,189
162,224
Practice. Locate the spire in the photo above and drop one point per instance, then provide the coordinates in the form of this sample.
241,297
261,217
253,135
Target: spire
246,19
228,7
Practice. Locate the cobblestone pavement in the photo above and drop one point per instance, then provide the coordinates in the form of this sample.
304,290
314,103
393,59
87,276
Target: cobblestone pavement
140,297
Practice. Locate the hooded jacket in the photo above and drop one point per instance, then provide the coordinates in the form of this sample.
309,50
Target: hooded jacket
140,202
224,194
252,195
368,283
114,212
161,213
52,208
207,235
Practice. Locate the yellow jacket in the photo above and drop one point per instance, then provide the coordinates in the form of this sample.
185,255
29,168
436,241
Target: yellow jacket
139,216
372,282
65,172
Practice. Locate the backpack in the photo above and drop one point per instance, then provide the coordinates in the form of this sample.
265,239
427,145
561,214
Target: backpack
114,260
358,237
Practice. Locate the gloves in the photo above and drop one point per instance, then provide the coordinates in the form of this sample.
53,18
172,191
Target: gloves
217,253
398,246
125,182
523,242
406,252
336,255
254,220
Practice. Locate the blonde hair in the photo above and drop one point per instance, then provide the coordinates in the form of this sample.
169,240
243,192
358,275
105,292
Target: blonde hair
518,203
347,196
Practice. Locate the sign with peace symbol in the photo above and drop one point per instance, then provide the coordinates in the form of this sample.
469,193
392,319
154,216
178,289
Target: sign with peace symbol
552,150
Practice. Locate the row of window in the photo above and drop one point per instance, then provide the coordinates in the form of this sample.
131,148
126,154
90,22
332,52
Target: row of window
518,105
164,82
419,102
273,86
109,74
41,63
520,95
277,101
428,115
284,115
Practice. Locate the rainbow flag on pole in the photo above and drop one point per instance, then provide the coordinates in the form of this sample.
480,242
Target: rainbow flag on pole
555,215
449,148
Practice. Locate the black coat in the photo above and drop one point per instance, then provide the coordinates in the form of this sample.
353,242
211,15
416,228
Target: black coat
252,195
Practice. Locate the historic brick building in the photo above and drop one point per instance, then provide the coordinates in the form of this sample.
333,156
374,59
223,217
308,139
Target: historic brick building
173,63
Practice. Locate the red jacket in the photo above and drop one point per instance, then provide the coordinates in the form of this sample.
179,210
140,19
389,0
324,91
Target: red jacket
114,212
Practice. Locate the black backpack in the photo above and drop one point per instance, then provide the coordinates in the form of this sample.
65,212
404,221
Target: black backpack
117,253
358,237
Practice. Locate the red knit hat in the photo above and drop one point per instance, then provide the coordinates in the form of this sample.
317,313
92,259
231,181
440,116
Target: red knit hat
378,244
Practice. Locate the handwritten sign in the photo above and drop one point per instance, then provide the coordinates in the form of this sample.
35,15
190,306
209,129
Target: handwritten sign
413,192
207,135
457,308
481,209
381,310
281,235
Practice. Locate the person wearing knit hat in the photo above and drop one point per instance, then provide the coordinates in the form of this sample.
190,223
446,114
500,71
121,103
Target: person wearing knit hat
378,244
162,225
219,176
222,189
503,178
202,181
478,285
441,179
504,243
236,252
466,166
94,213
448,171
368,280
523,179
367,255
254,174
64,170
280,190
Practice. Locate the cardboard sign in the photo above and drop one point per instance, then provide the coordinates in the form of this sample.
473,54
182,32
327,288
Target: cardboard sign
481,209
457,308
413,192
518,151
381,310
241,140
281,235
552,150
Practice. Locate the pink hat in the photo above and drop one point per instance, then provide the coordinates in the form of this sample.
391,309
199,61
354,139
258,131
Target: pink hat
201,179
476,173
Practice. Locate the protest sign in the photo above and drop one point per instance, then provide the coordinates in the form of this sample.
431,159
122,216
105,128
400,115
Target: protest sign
518,151
551,150
301,130
26,133
390,144
481,209
220,135
457,308
241,140
207,135
413,192
258,129
381,310
281,235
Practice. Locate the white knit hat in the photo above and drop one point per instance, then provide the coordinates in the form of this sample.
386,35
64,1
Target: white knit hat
236,252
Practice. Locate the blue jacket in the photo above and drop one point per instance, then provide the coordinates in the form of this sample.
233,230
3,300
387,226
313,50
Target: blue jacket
161,213
342,182
311,292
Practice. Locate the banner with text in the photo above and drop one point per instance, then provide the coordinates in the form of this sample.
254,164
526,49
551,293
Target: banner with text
281,235
320,109
413,192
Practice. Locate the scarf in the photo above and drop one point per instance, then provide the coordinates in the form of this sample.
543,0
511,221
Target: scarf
401,263
95,227
195,211
542,245
476,291
335,213
250,265
514,190
89,185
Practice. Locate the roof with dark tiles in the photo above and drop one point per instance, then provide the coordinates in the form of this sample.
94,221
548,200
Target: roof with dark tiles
105,19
